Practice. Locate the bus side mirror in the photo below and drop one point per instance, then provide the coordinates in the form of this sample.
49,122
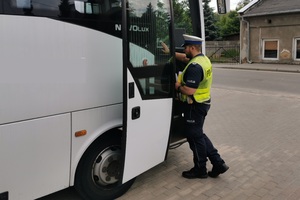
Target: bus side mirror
223,6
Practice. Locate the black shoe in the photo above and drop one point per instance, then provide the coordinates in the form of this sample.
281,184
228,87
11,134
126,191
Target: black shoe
217,170
191,174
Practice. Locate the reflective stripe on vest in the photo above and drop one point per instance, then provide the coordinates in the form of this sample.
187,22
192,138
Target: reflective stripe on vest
202,93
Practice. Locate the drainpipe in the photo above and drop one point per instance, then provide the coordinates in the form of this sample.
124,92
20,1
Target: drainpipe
248,40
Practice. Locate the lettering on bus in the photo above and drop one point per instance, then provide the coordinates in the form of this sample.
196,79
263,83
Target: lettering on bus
134,28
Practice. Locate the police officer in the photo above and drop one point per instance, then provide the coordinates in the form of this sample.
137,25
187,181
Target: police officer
194,88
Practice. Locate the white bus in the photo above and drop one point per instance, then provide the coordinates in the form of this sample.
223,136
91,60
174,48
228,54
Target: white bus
86,94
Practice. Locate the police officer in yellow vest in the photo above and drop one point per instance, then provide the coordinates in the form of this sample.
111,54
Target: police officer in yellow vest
194,88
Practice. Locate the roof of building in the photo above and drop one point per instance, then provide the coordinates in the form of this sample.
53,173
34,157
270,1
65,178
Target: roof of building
269,7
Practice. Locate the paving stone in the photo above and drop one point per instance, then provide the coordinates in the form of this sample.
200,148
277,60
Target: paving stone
257,134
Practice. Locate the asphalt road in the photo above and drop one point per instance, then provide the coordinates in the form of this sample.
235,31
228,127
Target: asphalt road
281,83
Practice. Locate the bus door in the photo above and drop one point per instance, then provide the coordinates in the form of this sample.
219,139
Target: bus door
148,85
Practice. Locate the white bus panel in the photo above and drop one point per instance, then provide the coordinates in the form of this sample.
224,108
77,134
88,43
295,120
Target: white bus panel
56,69
35,157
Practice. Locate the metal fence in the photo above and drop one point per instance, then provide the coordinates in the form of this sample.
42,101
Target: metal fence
223,51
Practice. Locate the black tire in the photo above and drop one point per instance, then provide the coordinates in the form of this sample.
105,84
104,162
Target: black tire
98,173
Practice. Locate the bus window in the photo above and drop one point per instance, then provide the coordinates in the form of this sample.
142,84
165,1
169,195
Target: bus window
32,8
149,26
97,7
87,8
100,15
58,8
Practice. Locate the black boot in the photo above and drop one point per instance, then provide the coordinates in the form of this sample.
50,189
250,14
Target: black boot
192,173
217,170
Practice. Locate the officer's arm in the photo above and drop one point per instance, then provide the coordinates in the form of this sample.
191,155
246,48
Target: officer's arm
194,77
182,57
179,56
184,89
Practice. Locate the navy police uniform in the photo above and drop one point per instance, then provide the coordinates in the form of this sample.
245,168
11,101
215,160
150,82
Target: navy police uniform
198,75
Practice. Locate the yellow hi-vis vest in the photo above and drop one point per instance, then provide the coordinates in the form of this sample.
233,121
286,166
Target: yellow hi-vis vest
202,93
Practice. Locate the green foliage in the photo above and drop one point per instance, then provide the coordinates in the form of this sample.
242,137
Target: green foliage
216,26
242,3
229,24
182,15
211,29
162,17
230,53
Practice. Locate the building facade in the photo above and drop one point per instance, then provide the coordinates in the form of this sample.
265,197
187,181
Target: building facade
270,32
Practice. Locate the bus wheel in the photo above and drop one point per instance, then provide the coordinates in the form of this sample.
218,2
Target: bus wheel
98,173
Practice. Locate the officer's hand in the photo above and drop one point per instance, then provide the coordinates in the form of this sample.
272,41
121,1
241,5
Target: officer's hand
165,48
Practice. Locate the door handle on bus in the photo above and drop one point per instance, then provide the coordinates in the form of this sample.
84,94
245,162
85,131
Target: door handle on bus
130,90
135,112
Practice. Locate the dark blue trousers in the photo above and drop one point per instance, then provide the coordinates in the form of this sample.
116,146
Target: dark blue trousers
200,144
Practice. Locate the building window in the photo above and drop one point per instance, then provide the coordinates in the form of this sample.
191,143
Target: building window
297,49
270,49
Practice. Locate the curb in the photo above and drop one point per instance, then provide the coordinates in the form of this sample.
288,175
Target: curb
262,69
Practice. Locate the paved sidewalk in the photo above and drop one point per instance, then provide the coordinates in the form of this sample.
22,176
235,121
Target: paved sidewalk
257,134
263,67
258,137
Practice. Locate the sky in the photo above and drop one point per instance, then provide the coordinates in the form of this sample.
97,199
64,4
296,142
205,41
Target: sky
233,4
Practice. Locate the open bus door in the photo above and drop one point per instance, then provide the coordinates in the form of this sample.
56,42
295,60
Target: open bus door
148,86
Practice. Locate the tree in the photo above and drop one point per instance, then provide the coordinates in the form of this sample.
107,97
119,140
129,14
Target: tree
64,8
162,17
182,15
242,3
150,18
211,30
228,24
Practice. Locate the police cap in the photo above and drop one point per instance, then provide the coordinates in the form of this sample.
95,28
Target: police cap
191,40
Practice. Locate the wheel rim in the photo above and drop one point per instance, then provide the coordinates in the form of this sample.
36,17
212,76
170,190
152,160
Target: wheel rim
106,167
